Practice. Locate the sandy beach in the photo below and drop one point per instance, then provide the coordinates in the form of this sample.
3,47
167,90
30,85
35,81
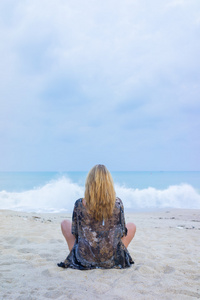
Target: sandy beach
166,251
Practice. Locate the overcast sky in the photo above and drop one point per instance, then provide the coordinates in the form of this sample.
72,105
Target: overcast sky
87,82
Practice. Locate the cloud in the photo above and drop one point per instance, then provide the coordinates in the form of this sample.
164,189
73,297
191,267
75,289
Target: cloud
114,75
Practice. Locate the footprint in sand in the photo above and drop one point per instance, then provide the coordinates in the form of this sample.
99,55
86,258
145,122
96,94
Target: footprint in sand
26,250
16,241
53,294
169,270
46,273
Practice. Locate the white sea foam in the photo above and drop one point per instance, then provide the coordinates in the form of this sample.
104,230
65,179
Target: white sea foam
56,196
175,196
60,195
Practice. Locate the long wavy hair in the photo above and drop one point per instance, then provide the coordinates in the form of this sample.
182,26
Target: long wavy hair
99,193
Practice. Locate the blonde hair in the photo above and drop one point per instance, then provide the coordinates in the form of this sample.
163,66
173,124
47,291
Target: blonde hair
99,193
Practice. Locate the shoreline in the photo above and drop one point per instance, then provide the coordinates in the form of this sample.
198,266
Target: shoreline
165,250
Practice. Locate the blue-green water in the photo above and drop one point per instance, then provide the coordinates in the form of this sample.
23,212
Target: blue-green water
56,192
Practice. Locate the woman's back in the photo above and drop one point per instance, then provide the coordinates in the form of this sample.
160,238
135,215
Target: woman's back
98,235
98,243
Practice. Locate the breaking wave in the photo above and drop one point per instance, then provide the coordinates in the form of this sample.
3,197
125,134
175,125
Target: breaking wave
60,195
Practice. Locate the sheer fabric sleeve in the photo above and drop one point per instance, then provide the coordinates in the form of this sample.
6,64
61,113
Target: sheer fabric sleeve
122,219
74,220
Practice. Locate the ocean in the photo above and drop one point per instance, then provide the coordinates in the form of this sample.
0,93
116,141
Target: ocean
139,191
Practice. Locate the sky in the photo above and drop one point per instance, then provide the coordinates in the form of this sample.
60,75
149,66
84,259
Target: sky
111,82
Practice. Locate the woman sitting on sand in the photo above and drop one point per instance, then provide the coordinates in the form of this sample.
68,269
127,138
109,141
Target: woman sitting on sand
98,236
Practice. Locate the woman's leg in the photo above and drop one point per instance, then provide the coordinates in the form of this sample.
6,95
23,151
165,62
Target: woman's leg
66,226
130,234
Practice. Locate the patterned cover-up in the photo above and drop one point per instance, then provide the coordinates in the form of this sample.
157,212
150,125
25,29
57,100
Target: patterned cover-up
98,244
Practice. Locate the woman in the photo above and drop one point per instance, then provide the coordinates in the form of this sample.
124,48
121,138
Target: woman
98,236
